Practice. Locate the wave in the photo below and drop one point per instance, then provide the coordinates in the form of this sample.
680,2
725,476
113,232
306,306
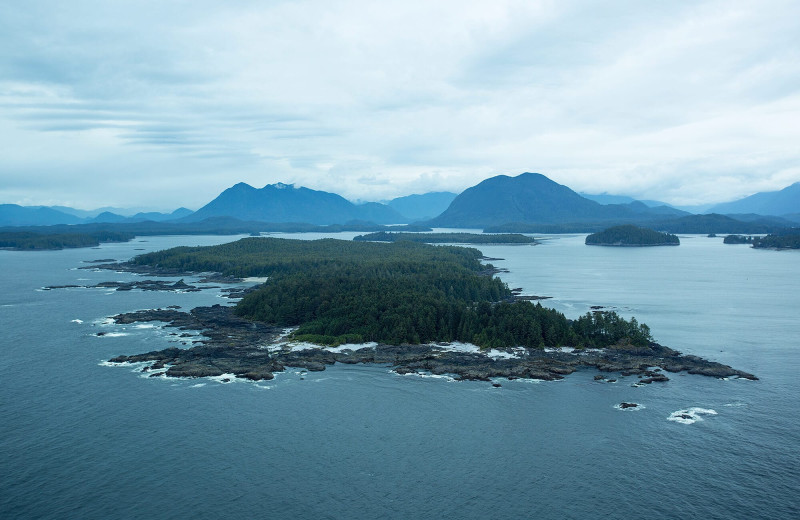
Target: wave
691,415
427,375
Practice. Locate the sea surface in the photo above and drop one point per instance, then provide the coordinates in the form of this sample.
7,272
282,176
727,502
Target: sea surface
81,439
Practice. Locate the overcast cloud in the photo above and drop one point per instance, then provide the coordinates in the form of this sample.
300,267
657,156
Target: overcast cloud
162,104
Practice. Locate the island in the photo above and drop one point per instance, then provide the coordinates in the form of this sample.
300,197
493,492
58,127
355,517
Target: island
631,236
737,239
447,238
417,307
788,240
30,241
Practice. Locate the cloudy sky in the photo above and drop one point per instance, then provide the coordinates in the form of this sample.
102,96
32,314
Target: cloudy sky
161,103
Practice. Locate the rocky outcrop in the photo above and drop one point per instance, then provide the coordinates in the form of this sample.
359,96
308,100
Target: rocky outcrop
233,345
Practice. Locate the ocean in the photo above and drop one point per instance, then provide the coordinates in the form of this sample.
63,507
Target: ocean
81,439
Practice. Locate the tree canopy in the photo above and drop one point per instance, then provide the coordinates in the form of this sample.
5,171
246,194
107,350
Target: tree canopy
629,235
336,291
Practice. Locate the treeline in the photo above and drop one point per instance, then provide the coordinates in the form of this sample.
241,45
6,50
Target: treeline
28,241
629,235
737,239
403,292
447,238
788,241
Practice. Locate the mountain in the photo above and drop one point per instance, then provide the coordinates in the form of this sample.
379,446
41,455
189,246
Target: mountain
286,203
776,203
109,218
156,216
715,223
16,215
533,198
605,198
423,206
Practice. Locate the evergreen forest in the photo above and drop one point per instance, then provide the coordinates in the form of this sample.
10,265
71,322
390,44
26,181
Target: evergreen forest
338,292
27,241
629,235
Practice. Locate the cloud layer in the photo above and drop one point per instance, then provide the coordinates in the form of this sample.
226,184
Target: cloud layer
167,103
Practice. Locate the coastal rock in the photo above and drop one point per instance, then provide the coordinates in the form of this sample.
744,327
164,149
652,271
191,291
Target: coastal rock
232,345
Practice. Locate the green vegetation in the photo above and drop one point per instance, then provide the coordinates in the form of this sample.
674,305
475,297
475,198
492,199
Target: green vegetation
631,236
27,241
787,241
446,238
402,292
737,239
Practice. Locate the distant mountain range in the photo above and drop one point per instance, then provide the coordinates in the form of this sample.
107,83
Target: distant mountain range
529,202
778,203
15,215
605,198
424,206
286,203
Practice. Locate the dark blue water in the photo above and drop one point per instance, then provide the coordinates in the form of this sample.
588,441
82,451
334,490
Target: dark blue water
83,440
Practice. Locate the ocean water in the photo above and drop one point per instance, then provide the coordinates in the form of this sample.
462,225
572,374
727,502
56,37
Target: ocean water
79,439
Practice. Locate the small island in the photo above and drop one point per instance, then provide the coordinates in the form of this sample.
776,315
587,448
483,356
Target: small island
416,307
631,236
737,239
789,240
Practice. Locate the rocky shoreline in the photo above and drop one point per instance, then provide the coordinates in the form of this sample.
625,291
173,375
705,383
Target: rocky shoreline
255,351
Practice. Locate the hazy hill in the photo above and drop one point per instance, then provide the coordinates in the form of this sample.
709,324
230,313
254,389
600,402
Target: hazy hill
777,203
16,215
533,198
605,198
423,206
286,203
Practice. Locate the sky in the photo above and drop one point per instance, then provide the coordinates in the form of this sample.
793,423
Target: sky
161,104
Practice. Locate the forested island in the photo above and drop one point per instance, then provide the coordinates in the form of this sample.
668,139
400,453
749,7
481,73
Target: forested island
631,236
789,240
737,239
401,303
447,238
30,241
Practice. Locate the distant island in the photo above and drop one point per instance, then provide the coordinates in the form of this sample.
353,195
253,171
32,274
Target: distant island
737,239
447,238
30,241
789,240
62,236
631,236
414,306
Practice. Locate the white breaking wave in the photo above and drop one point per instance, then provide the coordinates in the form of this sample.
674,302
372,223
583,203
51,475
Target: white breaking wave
77,321
428,375
690,416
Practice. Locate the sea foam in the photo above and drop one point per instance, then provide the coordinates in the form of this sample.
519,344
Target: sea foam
690,416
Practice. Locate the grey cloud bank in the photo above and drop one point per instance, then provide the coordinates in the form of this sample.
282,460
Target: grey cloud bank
163,104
